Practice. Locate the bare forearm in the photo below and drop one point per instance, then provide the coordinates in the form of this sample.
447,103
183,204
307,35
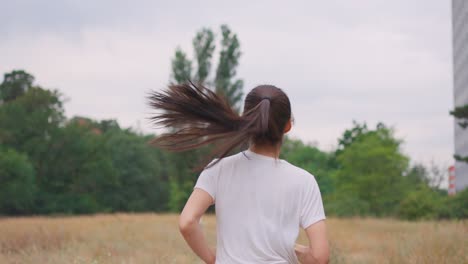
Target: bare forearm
308,258
305,255
195,238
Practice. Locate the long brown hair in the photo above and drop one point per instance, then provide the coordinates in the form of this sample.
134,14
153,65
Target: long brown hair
197,116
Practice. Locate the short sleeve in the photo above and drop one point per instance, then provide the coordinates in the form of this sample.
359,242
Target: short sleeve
312,207
207,180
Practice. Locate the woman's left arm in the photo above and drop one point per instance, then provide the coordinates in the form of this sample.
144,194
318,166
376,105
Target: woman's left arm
190,228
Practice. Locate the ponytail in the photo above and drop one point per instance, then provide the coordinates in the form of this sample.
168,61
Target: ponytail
196,116
264,115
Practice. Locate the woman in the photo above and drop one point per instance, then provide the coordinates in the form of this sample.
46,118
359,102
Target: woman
261,201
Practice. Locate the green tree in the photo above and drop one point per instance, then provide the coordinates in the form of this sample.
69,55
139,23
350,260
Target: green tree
76,170
17,188
372,169
203,45
97,166
181,67
351,135
224,79
430,176
226,71
179,168
417,175
140,177
15,84
30,122
461,113
179,165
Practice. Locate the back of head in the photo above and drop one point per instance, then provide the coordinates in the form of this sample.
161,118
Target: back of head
271,108
197,116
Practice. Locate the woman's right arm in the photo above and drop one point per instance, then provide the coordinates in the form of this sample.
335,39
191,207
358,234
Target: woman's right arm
318,250
190,228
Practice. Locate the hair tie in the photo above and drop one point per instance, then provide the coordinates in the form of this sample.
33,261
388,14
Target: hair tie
267,98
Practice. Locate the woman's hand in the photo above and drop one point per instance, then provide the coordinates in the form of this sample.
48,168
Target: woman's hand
301,252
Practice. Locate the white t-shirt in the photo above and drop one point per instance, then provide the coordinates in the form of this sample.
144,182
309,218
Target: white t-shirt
261,203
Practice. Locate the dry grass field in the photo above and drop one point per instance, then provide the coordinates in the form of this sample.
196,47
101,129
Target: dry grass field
153,238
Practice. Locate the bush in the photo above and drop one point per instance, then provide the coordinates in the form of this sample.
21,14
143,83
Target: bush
455,206
67,203
423,203
344,206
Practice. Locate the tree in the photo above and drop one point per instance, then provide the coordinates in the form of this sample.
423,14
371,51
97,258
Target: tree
30,122
17,188
203,45
431,176
178,165
51,165
75,170
351,135
96,166
461,113
15,84
140,180
224,79
228,61
372,169
181,67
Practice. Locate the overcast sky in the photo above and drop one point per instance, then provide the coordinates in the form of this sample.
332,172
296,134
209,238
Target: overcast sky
367,60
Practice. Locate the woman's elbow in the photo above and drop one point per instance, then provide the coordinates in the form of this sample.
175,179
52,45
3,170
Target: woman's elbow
186,224
318,258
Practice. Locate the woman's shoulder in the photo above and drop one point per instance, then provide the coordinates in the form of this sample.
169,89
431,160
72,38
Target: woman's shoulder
218,163
297,172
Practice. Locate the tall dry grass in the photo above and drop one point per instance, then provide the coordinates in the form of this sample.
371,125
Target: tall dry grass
153,238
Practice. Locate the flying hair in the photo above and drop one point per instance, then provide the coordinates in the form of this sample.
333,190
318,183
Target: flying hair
196,116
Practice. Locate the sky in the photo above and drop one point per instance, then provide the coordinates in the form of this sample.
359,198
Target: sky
365,60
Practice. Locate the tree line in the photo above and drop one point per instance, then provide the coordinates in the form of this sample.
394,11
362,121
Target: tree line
53,165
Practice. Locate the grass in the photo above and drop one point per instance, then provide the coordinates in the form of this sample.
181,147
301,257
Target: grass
153,238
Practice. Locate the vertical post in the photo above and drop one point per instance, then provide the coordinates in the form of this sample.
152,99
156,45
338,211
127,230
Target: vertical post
451,188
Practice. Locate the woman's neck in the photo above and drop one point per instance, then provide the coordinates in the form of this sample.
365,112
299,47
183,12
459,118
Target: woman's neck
270,151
